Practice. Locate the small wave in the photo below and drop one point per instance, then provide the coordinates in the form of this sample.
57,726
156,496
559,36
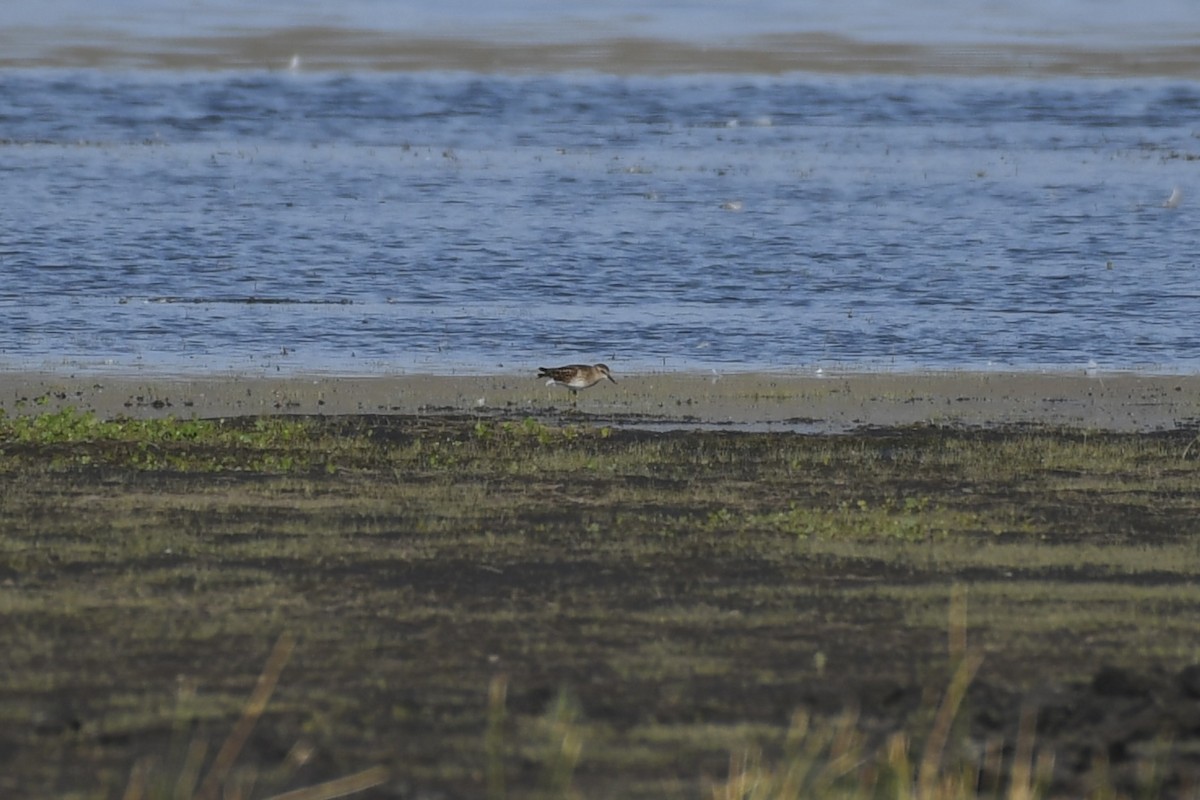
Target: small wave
248,301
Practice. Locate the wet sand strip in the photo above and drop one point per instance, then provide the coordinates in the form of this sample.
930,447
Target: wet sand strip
759,401
333,49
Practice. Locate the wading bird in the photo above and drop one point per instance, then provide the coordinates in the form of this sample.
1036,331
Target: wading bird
576,376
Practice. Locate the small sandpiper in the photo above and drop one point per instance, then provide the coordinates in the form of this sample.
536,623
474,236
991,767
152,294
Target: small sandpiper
576,376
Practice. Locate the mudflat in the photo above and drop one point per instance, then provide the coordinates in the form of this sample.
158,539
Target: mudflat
825,403
340,50
684,587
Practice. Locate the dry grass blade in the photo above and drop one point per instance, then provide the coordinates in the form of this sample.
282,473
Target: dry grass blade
955,692
185,784
1022,785
135,789
255,706
338,787
494,738
1187,450
957,634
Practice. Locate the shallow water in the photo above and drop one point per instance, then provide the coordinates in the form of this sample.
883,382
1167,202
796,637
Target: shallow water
360,223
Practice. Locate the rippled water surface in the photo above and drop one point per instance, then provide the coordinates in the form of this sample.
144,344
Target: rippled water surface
454,222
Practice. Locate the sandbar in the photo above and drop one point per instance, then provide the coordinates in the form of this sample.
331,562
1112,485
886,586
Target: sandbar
811,402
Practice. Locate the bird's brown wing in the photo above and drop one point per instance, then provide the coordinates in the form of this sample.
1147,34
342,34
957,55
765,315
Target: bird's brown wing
558,373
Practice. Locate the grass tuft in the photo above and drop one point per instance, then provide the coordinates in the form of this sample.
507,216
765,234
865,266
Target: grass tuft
149,781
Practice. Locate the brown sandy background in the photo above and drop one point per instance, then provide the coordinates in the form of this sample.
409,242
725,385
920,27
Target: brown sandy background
333,48
825,403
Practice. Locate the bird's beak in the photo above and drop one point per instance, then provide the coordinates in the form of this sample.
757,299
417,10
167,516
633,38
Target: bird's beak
611,378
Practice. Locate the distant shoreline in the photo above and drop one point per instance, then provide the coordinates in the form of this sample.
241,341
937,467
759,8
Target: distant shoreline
762,401
331,49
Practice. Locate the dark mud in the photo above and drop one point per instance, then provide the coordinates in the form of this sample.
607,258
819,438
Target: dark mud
672,599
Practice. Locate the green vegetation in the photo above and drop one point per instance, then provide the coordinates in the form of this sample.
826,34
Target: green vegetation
70,438
501,608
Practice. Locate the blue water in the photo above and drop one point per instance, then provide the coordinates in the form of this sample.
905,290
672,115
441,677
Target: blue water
386,222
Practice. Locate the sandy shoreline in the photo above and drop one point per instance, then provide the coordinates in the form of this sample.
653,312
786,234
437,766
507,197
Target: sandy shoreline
828,403
333,49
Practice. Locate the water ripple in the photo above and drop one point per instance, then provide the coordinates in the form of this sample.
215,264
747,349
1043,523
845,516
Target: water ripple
444,222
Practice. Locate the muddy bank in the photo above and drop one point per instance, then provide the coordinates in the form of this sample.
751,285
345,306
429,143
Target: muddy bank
339,49
809,403
461,594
